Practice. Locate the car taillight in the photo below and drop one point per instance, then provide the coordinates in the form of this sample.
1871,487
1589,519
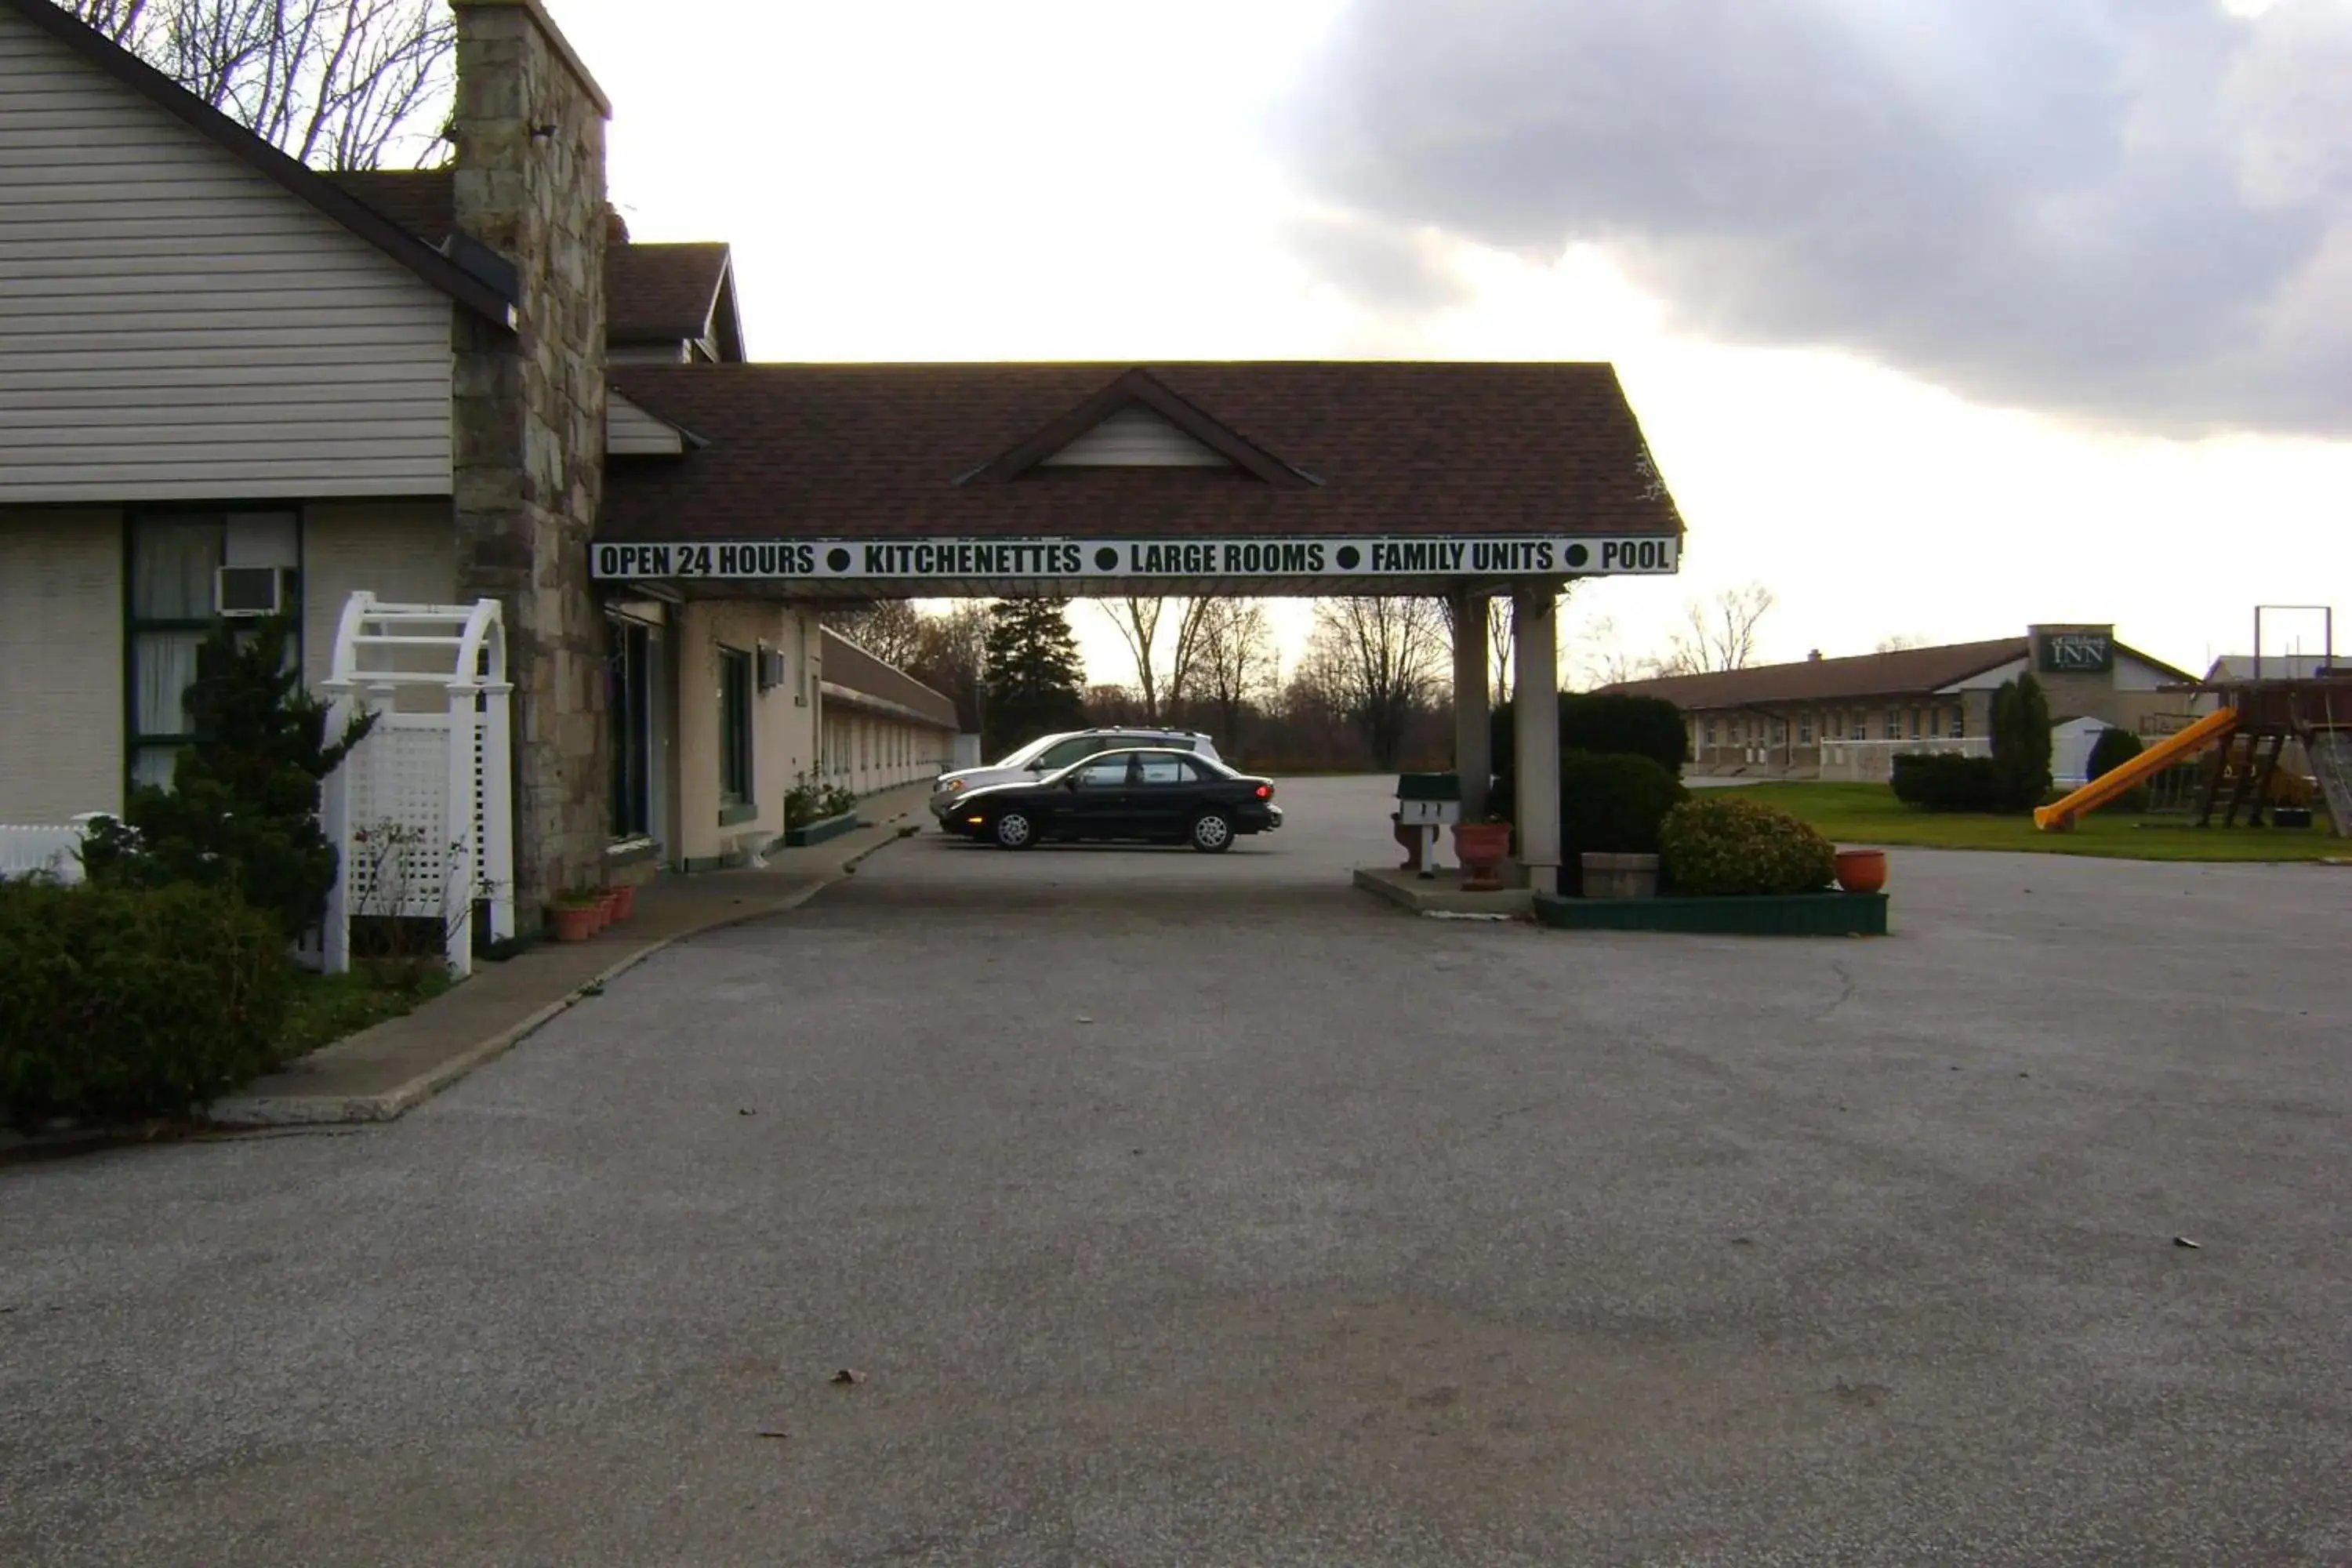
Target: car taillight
1265,792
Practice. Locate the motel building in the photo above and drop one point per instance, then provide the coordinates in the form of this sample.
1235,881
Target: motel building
230,383
1847,718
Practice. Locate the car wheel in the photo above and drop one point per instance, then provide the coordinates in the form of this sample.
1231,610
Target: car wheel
1013,830
1213,833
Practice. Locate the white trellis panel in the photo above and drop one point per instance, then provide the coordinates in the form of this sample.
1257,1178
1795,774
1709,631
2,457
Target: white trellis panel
440,779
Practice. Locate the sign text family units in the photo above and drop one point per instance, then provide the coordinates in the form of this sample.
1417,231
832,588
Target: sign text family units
1049,559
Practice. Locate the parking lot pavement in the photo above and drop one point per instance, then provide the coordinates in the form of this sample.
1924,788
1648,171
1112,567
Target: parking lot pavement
1179,1209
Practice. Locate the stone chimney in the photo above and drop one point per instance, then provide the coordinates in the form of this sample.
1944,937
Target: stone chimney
529,416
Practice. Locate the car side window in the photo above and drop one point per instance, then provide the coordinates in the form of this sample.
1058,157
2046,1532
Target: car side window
1068,752
1107,774
1169,771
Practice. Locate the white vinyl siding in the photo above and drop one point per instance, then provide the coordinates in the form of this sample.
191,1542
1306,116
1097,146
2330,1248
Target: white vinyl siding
1134,438
631,432
404,553
173,325
60,664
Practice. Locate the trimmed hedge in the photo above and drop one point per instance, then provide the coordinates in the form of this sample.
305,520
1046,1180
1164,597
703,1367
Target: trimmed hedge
1611,804
1604,723
1720,844
118,1004
1940,781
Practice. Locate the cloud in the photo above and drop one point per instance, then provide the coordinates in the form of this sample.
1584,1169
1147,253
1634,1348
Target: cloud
2138,212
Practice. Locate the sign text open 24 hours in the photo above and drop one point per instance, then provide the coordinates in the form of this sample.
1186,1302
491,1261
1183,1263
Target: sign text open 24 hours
1048,559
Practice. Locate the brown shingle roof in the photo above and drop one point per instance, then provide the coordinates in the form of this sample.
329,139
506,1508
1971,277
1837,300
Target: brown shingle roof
851,450
1901,673
849,666
422,201
653,293
662,293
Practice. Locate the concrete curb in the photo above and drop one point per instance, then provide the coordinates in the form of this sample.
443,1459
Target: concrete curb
257,1112
1442,897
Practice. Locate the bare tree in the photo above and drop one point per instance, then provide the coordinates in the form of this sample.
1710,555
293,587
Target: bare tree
1605,661
1899,642
1235,662
892,630
1186,657
1377,659
1502,642
1720,634
952,659
341,84
1138,621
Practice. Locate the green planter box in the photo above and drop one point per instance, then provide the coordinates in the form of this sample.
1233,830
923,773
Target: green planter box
1786,914
817,832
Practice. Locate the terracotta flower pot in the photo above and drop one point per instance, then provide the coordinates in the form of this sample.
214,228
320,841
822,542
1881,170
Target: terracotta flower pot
625,900
610,898
576,922
1862,870
1482,847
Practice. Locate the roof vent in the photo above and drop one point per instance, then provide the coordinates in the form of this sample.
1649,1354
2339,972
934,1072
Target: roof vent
1814,656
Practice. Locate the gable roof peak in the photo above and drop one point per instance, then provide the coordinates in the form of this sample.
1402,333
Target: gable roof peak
1139,389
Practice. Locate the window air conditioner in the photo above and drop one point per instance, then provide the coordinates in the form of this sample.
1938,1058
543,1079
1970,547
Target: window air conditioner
248,590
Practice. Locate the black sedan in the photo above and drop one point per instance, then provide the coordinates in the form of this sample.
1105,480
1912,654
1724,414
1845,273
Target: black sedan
1144,793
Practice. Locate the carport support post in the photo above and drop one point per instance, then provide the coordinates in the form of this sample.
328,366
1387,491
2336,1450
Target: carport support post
1535,729
1473,754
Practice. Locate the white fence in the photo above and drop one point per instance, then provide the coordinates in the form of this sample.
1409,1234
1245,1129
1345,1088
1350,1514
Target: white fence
45,851
1872,761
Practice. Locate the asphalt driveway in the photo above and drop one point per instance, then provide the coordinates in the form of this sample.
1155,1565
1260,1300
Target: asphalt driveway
1188,1210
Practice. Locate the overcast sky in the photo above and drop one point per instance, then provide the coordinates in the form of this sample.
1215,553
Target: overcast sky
1940,319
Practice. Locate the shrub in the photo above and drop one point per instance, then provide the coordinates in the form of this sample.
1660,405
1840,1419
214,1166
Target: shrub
121,1003
1939,781
2020,743
1611,804
1604,723
2111,751
243,809
1719,843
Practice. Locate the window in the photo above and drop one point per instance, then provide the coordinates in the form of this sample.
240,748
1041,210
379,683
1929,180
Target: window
1916,730
1714,732
1959,722
1837,724
1110,773
1168,770
628,707
735,735
1894,723
1779,731
1076,749
1805,728
170,610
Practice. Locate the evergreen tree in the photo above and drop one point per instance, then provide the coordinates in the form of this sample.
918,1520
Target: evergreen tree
2020,742
243,809
1034,684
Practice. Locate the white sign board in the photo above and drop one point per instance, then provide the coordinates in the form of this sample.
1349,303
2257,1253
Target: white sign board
1052,559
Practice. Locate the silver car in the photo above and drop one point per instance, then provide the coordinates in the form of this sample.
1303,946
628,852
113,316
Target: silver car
1049,753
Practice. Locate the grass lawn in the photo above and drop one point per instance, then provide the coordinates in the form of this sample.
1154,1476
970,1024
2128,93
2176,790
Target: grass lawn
1869,813
325,1008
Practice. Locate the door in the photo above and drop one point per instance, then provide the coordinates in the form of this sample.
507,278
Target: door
1099,805
1166,794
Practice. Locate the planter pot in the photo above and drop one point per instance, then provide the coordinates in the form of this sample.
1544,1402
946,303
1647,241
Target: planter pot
576,922
1619,875
625,900
1862,870
1482,847
1410,839
610,901
817,832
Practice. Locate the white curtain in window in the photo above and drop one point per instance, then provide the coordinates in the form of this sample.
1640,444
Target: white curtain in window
171,564
165,665
152,766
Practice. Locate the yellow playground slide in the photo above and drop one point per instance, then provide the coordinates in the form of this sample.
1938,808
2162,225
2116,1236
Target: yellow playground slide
2115,781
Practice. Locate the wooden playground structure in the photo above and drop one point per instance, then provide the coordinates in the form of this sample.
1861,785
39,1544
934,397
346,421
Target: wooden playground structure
2261,722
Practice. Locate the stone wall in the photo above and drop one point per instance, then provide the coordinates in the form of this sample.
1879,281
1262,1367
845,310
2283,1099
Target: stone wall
529,416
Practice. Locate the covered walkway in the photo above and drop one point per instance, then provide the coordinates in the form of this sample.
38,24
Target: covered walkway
817,484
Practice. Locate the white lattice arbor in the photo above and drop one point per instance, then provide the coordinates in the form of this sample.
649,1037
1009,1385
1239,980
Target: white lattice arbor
421,811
